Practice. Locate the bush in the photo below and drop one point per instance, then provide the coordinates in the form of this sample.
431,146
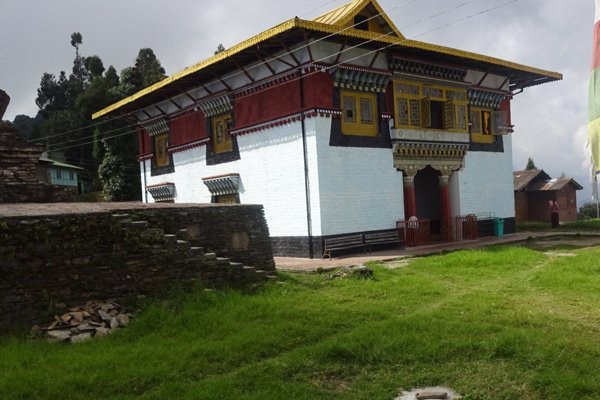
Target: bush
587,211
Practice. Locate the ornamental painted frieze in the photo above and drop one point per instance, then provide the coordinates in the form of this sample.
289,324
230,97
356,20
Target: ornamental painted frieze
445,157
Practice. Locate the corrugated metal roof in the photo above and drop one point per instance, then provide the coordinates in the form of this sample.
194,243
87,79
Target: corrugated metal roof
554,184
55,163
535,180
522,178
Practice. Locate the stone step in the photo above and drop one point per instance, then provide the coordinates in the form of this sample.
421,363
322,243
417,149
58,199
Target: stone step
210,256
272,277
183,244
138,225
182,234
122,218
170,239
261,274
223,261
247,268
197,251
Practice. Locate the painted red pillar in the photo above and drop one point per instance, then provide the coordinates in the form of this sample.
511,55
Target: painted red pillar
446,208
410,199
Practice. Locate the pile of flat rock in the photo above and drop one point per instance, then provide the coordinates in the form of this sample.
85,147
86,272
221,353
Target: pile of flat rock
79,324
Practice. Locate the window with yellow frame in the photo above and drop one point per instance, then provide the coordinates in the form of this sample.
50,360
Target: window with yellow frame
221,138
481,125
161,155
424,106
359,113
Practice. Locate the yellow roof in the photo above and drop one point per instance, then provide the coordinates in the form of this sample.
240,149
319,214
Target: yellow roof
344,15
329,23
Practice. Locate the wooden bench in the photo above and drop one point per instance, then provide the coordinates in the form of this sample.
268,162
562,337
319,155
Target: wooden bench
353,241
385,237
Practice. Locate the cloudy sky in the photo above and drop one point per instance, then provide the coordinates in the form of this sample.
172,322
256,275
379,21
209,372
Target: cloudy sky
550,34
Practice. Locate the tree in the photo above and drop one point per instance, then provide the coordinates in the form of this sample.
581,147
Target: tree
113,172
530,164
66,103
148,68
587,211
93,66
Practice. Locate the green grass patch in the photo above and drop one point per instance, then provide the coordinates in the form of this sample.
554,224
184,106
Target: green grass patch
592,225
503,323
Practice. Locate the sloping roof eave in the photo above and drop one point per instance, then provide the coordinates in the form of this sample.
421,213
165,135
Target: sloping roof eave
388,41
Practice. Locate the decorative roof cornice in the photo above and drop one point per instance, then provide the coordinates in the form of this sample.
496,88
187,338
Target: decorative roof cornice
426,69
386,40
360,78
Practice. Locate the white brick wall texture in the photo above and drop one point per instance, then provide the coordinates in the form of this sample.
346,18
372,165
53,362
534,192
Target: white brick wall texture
272,174
485,184
360,190
351,189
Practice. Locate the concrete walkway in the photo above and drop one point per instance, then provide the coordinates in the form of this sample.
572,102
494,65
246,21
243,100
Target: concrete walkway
311,265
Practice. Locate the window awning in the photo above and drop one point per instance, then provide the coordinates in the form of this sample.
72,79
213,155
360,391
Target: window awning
356,78
157,127
223,184
216,105
162,191
483,98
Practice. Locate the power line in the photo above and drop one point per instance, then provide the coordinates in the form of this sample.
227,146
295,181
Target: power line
238,73
340,63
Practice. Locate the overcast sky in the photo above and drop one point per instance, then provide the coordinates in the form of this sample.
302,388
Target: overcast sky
551,34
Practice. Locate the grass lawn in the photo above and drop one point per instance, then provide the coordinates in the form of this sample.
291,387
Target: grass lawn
502,323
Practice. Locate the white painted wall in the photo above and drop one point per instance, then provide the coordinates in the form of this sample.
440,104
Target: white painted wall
486,183
272,174
360,190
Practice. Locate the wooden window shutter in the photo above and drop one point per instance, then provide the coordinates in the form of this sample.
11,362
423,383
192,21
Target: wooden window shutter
415,112
426,112
449,115
499,126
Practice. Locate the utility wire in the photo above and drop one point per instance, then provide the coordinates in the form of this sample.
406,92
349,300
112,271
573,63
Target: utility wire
245,88
335,65
238,73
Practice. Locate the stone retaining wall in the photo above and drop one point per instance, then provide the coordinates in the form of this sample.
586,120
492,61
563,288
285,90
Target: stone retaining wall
50,262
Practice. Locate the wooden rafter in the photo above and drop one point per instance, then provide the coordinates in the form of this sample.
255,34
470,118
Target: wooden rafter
189,96
482,79
265,62
160,109
339,54
504,82
280,60
147,114
375,56
217,77
252,80
205,88
307,44
291,53
174,103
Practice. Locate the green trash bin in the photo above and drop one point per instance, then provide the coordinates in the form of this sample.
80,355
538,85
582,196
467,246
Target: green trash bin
498,227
